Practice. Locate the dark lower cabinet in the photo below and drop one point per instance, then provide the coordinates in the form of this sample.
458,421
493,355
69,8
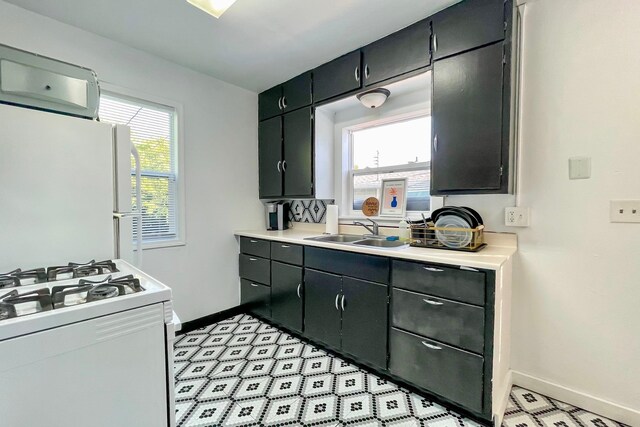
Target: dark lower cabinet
444,370
468,152
270,157
364,320
322,316
256,297
467,25
286,295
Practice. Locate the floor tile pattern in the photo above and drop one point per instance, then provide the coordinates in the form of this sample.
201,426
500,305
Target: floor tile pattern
243,372
529,409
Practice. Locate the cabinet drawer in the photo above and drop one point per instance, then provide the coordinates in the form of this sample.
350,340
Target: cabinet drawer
256,297
447,321
366,267
255,269
255,247
285,252
446,282
436,367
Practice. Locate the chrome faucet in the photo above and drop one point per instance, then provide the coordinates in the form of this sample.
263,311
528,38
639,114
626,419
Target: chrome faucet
373,229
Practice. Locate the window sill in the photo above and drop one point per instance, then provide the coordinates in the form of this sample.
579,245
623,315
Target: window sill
161,244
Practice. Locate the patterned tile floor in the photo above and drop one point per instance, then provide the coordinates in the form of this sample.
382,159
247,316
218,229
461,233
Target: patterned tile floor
242,372
529,409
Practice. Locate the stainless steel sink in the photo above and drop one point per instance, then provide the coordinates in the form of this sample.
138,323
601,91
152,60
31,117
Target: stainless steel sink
337,238
378,243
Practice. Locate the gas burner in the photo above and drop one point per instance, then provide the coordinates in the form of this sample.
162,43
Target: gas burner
15,305
22,278
76,270
87,290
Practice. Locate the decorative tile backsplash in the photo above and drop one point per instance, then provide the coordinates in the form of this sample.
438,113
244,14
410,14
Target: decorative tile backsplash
314,211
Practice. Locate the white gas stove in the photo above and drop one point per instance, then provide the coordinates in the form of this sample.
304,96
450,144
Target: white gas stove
102,340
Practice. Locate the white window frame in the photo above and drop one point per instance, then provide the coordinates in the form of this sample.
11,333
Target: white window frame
346,166
135,96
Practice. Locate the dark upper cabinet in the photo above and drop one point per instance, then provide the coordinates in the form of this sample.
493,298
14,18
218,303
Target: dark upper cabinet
364,320
339,76
469,149
270,157
298,153
269,103
321,310
291,95
401,52
467,25
296,93
286,295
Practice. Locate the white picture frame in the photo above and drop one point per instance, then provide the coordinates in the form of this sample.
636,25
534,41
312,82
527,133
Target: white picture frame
393,201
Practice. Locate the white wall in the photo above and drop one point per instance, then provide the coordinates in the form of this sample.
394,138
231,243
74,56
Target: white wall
220,154
577,286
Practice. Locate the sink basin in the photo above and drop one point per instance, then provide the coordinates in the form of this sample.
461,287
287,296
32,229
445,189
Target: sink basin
337,238
378,243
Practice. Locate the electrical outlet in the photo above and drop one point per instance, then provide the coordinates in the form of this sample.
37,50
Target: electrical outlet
516,217
624,210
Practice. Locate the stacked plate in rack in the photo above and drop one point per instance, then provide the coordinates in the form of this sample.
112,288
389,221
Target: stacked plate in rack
454,225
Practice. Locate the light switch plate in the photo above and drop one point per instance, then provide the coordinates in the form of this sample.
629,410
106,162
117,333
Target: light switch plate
624,211
516,217
579,167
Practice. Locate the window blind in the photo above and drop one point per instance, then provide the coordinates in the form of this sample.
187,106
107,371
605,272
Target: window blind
154,135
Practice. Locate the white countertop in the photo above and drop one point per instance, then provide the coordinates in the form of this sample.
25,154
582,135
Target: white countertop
500,247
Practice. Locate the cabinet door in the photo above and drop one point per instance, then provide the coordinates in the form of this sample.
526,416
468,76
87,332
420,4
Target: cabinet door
286,295
467,148
399,53
256,297
296,93
269,103
270,157
339,76
298,153
467,25
364,320
321,309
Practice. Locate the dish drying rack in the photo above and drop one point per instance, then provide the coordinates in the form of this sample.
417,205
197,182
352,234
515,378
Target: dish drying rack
424,236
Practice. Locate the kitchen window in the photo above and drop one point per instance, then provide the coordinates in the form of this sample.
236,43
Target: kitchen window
154,133
397,149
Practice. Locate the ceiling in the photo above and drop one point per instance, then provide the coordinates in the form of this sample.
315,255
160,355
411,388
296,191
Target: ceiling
255,44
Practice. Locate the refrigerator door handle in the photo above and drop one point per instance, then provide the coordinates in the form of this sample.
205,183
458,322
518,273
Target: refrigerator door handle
136,157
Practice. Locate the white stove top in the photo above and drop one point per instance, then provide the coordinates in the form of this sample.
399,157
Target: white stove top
154,292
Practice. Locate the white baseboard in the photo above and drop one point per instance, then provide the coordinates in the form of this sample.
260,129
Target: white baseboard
577,398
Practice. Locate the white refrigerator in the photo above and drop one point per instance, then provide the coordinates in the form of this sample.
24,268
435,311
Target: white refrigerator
65,190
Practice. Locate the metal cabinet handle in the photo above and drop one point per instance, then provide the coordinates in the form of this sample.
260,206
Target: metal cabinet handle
431,346
337,298
284,102
298,290
435,42
342,303
435,270
285,246
435,143
280,103
462,267
252,259
432,302
278,166
254,285
284,166
366,71
357,73
253,241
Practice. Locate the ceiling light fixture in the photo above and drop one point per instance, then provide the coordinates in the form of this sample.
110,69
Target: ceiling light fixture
374,98
213,7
